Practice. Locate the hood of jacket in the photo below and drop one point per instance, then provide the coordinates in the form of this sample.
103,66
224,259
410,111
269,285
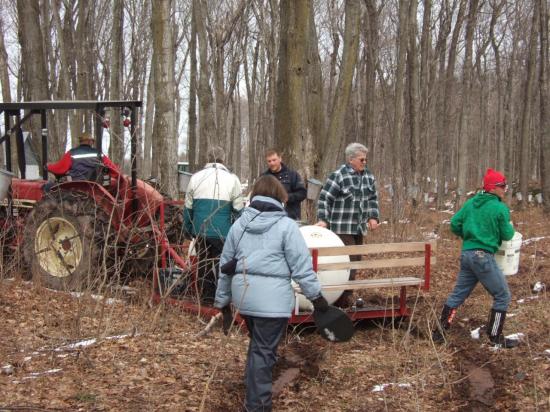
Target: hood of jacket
253,220
483,198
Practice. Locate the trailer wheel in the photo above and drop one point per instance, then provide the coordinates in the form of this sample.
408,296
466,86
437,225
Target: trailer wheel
64,240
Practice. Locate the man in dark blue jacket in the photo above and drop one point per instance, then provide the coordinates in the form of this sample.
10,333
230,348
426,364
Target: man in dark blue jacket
290,179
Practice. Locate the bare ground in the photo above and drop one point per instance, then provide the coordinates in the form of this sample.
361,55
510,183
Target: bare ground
132,357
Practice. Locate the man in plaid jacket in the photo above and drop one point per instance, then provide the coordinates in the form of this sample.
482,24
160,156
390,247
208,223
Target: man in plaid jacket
348,203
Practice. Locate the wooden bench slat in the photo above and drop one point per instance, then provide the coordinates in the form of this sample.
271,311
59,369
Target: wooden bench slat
371,284
374,264
374,248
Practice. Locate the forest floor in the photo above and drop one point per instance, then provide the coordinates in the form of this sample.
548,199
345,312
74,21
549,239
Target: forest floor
64,352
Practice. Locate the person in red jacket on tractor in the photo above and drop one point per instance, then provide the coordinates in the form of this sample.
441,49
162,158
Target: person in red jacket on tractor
482,223
83,162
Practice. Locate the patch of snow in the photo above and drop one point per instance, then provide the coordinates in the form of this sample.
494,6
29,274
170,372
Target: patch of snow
515,336
404,221
446,222
533,239
7,369
27,358
108,301
475,333
537,287
527,298
450,212
431,235
380,388
34,375
547,352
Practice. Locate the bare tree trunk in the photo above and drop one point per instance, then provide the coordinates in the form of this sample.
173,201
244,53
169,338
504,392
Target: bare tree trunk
527,109
164,125
83,68
544,135
332,144
192,108
314,95
400,147
426,86
414,123
150,168
464,140
35,72
116,146
207,124
499,132
4,73
290,114
4,78
371,64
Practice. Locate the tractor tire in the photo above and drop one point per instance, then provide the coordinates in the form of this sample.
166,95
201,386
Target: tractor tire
64,239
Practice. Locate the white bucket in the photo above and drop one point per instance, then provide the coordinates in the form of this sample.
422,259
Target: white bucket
507,256
317,236
5,182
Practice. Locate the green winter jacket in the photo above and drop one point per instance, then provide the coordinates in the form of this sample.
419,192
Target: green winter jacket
483,223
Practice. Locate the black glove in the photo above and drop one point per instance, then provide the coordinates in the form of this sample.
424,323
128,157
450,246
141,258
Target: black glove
320,304
227,319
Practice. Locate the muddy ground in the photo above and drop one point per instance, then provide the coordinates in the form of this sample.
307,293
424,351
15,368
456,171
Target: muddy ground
62,352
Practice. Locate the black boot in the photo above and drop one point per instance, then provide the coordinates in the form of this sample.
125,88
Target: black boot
494,330
447,316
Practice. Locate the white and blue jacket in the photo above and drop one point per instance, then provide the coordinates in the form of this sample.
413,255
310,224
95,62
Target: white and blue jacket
212,202
271,251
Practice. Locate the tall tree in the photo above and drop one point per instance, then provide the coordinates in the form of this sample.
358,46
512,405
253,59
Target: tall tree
544,134
464,140
33,64
332,146
291,129
116,146
525,131
164,124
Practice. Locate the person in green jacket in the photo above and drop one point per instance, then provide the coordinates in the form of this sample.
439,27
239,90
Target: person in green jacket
482,223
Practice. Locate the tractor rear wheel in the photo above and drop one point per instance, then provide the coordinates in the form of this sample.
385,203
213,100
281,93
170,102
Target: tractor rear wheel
64,240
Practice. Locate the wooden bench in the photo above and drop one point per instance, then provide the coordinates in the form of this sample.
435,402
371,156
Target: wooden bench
401,255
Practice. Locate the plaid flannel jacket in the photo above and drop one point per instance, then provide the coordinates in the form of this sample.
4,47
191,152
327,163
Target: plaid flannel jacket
348,200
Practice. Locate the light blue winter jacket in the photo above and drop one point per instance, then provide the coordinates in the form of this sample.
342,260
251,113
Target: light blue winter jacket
270,253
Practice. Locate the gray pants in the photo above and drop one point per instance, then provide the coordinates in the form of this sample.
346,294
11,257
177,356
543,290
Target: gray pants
480,266
265,334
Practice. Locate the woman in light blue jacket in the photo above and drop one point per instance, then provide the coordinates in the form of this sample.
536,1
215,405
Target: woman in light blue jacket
269,251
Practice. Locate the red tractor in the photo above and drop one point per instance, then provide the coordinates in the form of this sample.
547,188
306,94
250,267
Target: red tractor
79,233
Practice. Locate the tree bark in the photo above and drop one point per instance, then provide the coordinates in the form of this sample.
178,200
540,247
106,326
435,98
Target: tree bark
525,136
464,139
164,124
332,146
116,146
544,90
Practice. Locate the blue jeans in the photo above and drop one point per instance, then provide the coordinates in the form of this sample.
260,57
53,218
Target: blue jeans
480,266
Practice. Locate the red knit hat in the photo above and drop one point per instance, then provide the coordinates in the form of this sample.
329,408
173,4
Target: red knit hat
493,179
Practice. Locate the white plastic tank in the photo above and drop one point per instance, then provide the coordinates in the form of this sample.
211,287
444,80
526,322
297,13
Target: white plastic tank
317,236
507,256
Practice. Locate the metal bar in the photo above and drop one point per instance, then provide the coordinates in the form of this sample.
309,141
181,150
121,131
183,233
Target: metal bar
99,117
20,144
68,104
133,155
427,266
44,121
7,141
